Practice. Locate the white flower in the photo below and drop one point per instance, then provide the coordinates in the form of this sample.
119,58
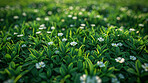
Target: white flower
49,12
20,35
46,18
64,39
118,18
69,16
24,45
8,38
131,29
92,25
56,52
114,45
121,76
42,26
40,65
24,14
9,81
120,60
89,79
15,33
38,19
71,25
38,32
73,43
74,17
119,44
16,17
141,25
63,29
60,34
100,39
115,80
145,66
100,64
52,27
1,19
81,27
132,57
48,31
83,77
50,43
36,10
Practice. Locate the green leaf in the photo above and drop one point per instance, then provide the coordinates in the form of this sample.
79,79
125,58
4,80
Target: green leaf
138,66
20,75
91,68
70,66
7,56
130,70
80,52
62,71
43,75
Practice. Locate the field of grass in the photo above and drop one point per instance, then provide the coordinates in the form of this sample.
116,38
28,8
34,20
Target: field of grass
73,41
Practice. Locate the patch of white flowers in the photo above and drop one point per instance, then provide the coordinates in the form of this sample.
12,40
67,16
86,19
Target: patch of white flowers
100,39
120,60
132,57
100,64
145,66
73,43
88,79
60,34
64,39
116,44
50,43
40,65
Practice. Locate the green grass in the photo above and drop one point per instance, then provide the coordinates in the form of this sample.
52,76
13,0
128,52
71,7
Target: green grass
101,32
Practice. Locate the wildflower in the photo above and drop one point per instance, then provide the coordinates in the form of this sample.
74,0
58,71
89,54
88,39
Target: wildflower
92,25
8,38
60,34
1,19
131,29
46,18
114,45
20,35
115,80
9,81
74,17
69,16
100,64
50,43
132,57
73,43
36,10
81,27
48,31
145,66
16,17
89,79
64,39
24,14
119,44
118,18
120,60
42,26
121,76
40,65
49,12
56,52
80,13
38,19
52,27
38,32
100,39
141,25
15,33
63,29
71,25
24,45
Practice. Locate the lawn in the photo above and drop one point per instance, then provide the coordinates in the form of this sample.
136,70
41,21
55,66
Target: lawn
73,41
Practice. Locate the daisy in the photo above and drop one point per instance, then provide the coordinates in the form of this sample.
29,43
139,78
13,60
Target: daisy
133,58
73,43
40,65
50,43
120,60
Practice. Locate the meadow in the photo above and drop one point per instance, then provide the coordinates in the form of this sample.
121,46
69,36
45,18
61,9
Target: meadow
73,41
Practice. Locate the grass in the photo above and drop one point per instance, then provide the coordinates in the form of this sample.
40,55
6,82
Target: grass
73,41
